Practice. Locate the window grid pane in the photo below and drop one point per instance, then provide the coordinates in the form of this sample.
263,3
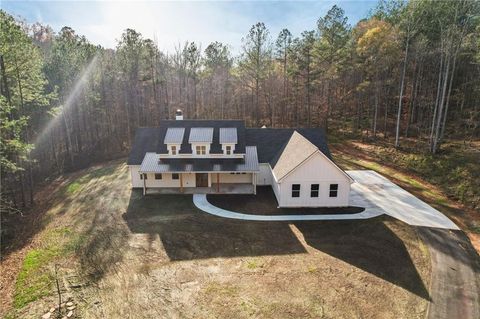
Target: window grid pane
174,176
295,190
333,190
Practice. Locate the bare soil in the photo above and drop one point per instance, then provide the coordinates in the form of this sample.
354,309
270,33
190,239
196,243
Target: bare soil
158,256
265,203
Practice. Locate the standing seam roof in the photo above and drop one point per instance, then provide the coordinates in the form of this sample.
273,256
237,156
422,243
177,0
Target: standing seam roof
201,135
228,135
174,135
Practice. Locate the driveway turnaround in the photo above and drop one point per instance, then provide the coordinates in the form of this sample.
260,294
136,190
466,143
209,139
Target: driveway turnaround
201,202
397,202
371,190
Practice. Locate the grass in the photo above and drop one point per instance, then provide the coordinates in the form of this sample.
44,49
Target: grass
35,278
55,244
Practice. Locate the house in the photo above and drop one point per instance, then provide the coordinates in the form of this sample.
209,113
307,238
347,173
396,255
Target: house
223,156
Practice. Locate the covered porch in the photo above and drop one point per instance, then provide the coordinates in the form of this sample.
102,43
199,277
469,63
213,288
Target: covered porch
230,188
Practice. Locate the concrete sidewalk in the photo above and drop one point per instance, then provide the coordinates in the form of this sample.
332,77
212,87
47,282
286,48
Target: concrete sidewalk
201,202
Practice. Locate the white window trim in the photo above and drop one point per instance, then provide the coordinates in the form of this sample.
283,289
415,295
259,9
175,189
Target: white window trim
232,148
206,146
170,150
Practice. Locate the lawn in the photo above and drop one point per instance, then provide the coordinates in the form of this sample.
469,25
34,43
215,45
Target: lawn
158,256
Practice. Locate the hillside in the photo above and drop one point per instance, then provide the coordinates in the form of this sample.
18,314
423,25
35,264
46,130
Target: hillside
119,254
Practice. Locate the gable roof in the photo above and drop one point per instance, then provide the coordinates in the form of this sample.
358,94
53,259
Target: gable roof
295,152
270,142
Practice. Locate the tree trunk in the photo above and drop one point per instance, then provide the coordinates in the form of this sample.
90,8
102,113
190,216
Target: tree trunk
400,98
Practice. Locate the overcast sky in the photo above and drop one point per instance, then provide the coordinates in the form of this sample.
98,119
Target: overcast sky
102,22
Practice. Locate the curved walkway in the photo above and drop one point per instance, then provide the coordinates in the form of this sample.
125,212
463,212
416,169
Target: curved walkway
201,202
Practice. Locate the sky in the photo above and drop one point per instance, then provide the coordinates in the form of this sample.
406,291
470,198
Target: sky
174,22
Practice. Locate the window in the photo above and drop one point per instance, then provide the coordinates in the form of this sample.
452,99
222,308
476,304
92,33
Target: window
143,176
333,190
314,190
295,190
158,176
175,176
228,150
201,149
173,149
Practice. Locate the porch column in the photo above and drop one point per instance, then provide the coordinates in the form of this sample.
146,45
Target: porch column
254,178
144,186
181,182
218,182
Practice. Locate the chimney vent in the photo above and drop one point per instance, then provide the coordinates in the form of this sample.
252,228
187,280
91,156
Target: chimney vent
178,115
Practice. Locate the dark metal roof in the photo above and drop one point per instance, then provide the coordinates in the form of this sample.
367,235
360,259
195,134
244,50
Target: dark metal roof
174,135
152,164
271,142
228,135
146,140
151,139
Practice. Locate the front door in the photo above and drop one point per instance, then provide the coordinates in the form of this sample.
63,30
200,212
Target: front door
201,179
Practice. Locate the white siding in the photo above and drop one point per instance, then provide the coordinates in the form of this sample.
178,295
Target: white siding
167,181
316,170
264,176
135,176
277,191
228,178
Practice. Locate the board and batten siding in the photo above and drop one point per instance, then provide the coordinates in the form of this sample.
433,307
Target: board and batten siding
227,178
166,181
315,170
264,176
135,176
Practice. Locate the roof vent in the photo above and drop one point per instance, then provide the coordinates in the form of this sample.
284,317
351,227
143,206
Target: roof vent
178,115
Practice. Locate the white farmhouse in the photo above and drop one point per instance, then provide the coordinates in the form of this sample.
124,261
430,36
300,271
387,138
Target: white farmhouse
222,156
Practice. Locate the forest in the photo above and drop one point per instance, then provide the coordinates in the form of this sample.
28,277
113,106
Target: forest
407,70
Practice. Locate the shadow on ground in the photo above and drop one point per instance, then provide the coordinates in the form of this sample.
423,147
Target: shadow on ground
187,233
368,245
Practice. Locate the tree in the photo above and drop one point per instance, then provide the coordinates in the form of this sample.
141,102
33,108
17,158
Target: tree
255,62
283,45
331,50
24,96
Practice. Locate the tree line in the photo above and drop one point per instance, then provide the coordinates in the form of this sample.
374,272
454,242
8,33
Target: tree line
409,69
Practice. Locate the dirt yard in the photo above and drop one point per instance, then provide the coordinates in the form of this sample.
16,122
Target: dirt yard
123,255
265,203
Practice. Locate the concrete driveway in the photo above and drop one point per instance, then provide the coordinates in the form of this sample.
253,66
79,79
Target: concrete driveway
374,189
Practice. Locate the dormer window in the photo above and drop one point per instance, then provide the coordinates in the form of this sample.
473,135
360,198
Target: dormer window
173,149
201,150
228,139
